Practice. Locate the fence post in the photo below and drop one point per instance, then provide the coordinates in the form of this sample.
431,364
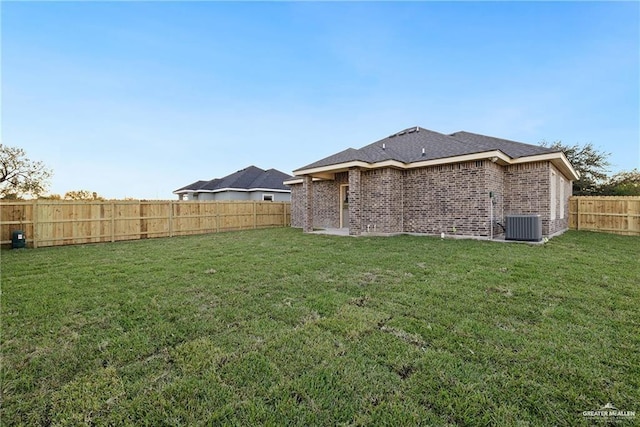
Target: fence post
255,215
629,216
217,216
578,213
170,218
113,222
35,223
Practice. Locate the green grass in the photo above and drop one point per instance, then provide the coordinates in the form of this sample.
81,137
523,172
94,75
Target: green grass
274,326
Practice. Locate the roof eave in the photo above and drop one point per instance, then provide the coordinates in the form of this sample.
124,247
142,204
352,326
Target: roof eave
341,167
497,156
222,190
558,159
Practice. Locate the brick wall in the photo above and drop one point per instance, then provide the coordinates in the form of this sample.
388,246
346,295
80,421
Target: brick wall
495,184
526,189
326,199
564,190
453,199
355,201
382,200
297,206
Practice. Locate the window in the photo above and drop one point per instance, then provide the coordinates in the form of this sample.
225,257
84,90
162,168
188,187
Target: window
195,196
267,197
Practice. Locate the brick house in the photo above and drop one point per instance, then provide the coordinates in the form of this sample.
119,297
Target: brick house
420,181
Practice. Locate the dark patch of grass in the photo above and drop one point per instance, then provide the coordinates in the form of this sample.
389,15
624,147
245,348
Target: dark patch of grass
273,326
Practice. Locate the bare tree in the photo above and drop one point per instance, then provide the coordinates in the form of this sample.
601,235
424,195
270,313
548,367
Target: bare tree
20,176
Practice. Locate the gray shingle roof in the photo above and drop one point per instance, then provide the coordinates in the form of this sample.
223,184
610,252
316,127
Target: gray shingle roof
192,186
244,179
512,149
418,144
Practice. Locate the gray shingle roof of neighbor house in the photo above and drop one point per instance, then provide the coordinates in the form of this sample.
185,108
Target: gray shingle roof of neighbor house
415,145
193,186
245,179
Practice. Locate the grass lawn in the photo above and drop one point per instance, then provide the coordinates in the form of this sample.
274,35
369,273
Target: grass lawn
275,326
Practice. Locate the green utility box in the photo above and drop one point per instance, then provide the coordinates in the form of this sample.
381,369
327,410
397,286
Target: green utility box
18,239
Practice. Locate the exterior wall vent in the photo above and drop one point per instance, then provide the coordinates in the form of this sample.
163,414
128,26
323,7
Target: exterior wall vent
524,227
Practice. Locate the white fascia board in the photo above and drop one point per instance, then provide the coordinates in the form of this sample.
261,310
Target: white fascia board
557,158
301,181
486,155
189,191
333,168
293,181
245,190
400,165
270,190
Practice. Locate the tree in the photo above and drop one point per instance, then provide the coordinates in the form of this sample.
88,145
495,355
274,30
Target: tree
51,197
590,163
625,183
82,195
20,176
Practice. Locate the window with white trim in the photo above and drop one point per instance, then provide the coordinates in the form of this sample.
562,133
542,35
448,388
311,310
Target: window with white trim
267,197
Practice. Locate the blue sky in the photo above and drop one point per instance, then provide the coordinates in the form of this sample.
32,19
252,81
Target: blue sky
136,99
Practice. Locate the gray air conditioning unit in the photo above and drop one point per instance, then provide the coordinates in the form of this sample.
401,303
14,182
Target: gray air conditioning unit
524,227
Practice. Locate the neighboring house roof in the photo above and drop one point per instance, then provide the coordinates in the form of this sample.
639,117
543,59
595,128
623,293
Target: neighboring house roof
418,147
247,179
193,186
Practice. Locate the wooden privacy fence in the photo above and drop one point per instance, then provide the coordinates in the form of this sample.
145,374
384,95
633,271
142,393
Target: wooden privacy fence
611,214
58,223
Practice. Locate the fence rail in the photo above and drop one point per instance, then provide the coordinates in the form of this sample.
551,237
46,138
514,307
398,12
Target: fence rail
611,214
57,223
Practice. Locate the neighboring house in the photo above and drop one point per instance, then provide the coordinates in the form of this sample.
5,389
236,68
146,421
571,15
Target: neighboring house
251,183
420,181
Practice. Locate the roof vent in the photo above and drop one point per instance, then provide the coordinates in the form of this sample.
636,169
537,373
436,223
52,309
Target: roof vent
417,128
423,153
383,146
